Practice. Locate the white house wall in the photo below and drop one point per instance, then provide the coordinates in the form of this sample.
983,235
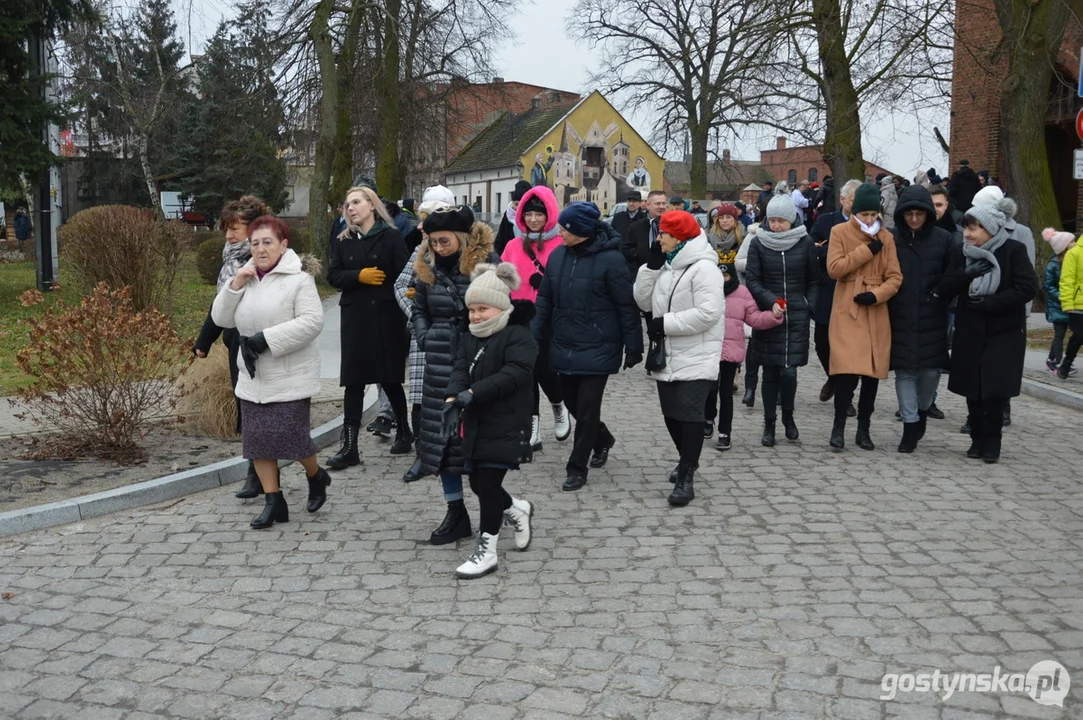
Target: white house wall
494,187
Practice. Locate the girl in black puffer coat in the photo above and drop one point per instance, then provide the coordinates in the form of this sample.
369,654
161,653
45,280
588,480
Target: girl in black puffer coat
782,266
492,385
453,247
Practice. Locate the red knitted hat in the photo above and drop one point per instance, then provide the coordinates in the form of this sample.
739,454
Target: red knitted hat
679,224
728,209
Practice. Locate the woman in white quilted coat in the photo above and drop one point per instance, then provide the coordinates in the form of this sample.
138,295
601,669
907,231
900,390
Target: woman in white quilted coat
273,303
682,287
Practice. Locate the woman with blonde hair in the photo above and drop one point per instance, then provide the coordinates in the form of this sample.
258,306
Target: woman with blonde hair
368,257
726,232
236,216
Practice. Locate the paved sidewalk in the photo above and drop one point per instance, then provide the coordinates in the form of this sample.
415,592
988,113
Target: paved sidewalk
795,580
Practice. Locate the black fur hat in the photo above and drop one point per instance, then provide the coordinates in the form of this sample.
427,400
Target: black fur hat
456,219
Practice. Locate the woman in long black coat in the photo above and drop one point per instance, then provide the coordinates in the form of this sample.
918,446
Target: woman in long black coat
365,262
994,280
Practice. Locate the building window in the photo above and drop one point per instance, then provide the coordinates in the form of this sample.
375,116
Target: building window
813,175
498,204
791,177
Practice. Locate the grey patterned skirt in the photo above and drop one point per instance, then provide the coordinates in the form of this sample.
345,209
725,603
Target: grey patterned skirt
415,367
685,400
277,431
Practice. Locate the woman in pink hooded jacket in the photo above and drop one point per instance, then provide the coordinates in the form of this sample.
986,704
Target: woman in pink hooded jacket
741,309
536,236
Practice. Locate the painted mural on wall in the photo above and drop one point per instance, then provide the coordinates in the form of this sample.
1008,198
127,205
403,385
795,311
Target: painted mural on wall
598,158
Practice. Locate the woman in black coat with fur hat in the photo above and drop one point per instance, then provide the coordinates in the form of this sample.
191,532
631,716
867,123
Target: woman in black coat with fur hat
454,245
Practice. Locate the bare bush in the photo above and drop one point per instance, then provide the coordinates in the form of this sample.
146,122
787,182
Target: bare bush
206,403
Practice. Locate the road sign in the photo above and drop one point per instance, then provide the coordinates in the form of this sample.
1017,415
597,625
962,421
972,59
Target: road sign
1080,76
1079,124
1078,164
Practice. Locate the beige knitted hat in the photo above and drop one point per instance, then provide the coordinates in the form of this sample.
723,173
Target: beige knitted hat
492,285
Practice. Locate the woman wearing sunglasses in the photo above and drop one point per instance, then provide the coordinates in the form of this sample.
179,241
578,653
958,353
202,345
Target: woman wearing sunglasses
453,246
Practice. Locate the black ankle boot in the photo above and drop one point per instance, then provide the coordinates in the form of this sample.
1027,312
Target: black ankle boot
863,440
977,438
790,425
923,420
274,511
838,430
252,486
317,489
674,474
683,493
455,526
768,439
750,396
990,451
348,455
911,435
404,440
414,473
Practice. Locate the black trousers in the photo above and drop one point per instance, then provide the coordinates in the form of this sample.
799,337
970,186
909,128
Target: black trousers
583,398
823,347
1056,350
231,338
778,380
545,380
688,439
752,369
845,386
353,403
1075,322
488,485
723,398
986,417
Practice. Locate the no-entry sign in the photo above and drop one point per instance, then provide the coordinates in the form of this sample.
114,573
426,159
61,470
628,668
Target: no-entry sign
1079,124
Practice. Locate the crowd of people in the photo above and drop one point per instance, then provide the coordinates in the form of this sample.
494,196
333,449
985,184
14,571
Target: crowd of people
479,324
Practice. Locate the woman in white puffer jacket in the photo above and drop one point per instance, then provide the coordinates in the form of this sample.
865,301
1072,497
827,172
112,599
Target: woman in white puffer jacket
682,287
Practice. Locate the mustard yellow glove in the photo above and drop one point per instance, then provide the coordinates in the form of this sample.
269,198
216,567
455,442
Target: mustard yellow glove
410,292
371,276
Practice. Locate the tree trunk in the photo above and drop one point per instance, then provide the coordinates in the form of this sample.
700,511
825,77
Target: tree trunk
325,140
342,169
698,170
148,176
842,136
1035,31
390,174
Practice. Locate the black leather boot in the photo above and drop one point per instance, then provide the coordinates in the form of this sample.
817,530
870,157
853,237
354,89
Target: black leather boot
404,440
275,510
348,455
414,473
990,451
768,439
923,421
911,435
683,493
977,437
317,489
252,486
863,440
674,474
750,396
790,425
455,526
838,430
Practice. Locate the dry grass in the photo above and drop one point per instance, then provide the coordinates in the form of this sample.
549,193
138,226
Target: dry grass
205,397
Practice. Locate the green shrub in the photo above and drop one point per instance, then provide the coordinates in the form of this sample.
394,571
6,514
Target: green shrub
209,258
198,237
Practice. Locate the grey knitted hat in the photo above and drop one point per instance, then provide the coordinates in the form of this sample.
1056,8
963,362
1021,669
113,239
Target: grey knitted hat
781,206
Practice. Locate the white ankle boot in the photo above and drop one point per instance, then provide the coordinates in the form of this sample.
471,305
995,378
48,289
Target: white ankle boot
535,433
483,560
518,517
562,427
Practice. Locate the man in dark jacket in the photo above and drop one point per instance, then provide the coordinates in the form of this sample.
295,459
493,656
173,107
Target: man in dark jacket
643,233
766,194
588,319
963,186
22,227
919,318
624,219
506,231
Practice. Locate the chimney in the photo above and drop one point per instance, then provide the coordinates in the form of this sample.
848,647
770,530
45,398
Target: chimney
497,80
726,158
780,143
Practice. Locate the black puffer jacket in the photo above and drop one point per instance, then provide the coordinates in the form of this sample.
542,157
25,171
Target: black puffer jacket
496,427
794,275
919,317
439,320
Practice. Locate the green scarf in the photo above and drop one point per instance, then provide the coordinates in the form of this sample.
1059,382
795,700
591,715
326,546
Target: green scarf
672,254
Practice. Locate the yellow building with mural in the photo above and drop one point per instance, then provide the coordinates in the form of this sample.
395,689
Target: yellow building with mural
583,150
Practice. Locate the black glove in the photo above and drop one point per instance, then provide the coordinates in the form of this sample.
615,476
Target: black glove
876,246
631,359
865,298
251,347
464,399
656,328
655,257
978,269
535,281
449,420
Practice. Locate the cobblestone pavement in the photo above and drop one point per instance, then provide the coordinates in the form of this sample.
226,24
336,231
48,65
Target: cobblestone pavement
792,584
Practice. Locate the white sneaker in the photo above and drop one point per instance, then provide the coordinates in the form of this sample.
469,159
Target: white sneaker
482,561
562,427
518,517
535,433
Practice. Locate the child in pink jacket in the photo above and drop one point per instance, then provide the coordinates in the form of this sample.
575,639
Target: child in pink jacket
741,309
536,236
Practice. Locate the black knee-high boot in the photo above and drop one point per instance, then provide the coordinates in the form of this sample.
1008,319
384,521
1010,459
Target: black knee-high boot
414,473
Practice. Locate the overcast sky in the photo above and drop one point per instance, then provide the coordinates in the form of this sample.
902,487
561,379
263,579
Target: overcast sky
543,54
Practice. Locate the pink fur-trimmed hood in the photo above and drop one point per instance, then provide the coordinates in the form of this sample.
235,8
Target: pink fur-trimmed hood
552,210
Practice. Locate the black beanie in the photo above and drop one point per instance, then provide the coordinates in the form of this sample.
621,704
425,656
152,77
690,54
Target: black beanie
535,204
520,190
455,219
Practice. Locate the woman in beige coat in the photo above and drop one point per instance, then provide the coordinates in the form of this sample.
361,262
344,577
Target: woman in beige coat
862,258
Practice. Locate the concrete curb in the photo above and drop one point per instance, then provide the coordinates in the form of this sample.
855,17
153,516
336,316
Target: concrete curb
1060,396
149,492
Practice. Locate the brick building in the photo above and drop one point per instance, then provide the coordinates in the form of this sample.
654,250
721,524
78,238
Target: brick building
804,162
975,104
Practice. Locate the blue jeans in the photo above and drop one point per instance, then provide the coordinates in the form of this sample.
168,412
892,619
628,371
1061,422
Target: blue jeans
453,486
916,390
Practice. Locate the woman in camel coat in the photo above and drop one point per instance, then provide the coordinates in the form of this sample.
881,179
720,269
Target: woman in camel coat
862,258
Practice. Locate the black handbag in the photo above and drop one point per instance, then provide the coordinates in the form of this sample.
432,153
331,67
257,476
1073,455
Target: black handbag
656,350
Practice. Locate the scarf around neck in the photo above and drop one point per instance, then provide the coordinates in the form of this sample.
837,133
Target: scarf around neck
869,230
988,283
780,241
537,237
234,258
490,327
673,253
724,241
